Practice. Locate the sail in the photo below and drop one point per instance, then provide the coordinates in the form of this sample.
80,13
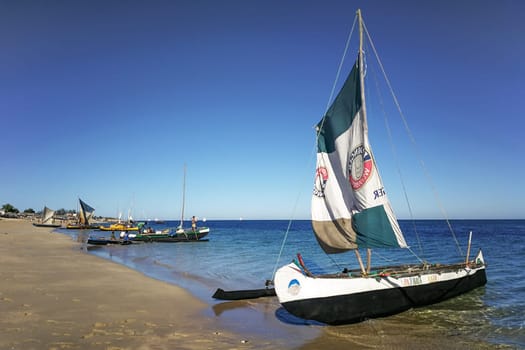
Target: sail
350,208
86,212
47,215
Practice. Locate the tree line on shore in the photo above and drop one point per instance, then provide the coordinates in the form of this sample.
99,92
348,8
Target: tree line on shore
10,209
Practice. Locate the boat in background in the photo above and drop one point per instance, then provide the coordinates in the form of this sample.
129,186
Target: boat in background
178,234
48,219
194,230
350,210
119,226
105,241
85,213
170,236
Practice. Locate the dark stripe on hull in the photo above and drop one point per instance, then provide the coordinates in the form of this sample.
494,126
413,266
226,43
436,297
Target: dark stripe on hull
172,238
358,307
47,225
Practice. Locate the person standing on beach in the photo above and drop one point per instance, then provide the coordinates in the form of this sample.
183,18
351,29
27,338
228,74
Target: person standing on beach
193,223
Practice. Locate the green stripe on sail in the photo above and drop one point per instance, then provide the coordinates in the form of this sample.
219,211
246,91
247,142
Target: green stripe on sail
373,229
341,113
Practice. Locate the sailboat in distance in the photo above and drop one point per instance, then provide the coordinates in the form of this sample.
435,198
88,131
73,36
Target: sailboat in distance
48,219
197,232
85,213
350,211
178,234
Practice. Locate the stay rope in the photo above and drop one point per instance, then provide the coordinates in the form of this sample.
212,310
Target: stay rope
396,159
414,144
314,149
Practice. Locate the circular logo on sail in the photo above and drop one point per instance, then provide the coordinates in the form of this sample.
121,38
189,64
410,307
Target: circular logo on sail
359,167
321,176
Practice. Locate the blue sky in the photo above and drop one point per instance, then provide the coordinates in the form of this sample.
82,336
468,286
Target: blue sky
107,100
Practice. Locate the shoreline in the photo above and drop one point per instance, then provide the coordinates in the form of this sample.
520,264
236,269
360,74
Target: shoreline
56,295
53,295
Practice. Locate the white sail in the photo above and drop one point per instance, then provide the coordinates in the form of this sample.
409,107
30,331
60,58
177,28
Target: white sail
47,215
350,208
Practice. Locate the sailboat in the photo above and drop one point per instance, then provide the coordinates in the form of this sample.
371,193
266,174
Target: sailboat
85,213
350,210
48,218
180,234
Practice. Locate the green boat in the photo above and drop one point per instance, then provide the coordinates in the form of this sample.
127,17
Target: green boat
170,236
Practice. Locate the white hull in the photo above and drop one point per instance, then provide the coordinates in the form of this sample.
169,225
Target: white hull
342,298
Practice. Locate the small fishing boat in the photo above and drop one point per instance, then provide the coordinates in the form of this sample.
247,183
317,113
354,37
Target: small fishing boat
350,210
170,236
179,234
85,213
119,227
48,219
106,241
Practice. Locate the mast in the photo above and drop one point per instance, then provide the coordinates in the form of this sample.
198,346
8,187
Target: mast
365,126
361,66
183,197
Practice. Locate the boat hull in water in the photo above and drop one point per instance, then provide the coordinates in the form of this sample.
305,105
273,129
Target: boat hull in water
343,298
184,236
118,227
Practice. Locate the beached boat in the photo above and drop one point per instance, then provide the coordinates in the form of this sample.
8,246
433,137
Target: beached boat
85,213
48,219
350,210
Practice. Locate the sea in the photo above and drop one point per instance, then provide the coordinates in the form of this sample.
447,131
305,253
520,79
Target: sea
244,254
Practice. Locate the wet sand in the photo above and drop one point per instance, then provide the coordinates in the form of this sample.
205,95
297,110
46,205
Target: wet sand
55,296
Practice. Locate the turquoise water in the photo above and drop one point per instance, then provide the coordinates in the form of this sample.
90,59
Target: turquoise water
243,254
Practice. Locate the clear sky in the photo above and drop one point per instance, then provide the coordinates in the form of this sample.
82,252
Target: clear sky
106,101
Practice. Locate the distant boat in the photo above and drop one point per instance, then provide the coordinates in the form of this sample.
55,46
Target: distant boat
175,235
170,237
195,232
106,241
119,227
350,210
85,213
48,219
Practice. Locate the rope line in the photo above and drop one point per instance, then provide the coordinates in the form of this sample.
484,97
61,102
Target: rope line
414,143
314,149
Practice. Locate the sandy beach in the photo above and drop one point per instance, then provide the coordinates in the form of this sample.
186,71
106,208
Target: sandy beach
55,296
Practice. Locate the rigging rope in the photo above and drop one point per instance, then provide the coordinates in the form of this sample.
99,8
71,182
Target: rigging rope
396,158
340,66
412,139
314,150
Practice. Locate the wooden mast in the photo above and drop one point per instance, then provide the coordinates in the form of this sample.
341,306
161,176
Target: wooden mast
363,106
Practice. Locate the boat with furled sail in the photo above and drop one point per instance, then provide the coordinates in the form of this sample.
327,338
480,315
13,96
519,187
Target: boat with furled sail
179,234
